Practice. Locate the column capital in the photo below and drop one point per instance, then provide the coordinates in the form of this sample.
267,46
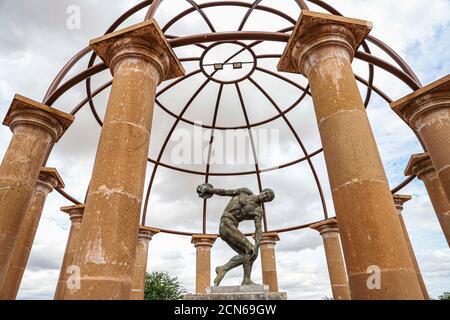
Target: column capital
203,240
315,31
49,179
419,165
270,238
328,226
399,200
147,233
27,111
75,212
415,107
144,40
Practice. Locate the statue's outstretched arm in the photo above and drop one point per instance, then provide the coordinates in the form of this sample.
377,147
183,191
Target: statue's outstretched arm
224,192
206,191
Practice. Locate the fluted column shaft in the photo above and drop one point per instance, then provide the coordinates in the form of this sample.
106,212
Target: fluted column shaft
427,110
422,166
76,217
36,127
140,262
203,244
336,267
399,200
268,260
48,179
322,48
139,58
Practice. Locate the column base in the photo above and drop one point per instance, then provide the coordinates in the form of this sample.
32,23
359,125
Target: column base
253,292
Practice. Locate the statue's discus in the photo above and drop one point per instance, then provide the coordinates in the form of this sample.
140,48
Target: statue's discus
203,194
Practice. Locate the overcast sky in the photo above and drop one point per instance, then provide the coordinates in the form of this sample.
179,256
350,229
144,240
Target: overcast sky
36,41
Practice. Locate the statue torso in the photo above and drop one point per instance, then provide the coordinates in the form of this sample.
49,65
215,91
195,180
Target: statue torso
241,207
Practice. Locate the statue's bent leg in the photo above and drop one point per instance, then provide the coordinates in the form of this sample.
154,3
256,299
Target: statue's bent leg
222,270
247,262
238,242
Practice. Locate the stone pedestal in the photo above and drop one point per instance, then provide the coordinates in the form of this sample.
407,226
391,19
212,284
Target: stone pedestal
253,292
268,260
421,166
322,47
203,244
139,58
336,268
140,262
36,127
47,181
399,200
427,110
76,217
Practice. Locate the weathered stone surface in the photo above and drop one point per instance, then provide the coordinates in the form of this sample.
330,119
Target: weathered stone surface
399,200
427,110
203,244
35,128
322,48
268,260
310,20
140,262
75,213
422,166
336,267
248,292
146,33
47,181
139,59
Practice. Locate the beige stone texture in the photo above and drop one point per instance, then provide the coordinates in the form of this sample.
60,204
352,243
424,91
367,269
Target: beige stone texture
203,244
329,231
427,110
36,127
268,260
47,181
140,262
310,20
75,213
421,166
399,200
322,49
139,59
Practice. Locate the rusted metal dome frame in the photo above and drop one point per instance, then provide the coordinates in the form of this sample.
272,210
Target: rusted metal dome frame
58,88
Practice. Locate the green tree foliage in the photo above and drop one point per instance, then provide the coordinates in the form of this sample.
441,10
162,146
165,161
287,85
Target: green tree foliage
444,296
160,286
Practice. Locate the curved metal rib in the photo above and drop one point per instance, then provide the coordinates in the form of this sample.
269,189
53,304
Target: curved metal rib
255,156
299,141
161,152
208,161
227,3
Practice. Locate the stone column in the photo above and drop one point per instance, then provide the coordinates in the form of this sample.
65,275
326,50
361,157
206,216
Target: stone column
36,127
48,179
329,231
427,110
140,262
139,58
421,166
268,260
203,244
75,213
322,47
399,200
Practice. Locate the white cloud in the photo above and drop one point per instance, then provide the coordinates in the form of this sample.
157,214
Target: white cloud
35,47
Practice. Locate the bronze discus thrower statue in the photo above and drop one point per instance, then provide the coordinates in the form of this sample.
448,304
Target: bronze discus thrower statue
244,205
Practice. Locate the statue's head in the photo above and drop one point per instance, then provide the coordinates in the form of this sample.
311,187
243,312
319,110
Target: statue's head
267,195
